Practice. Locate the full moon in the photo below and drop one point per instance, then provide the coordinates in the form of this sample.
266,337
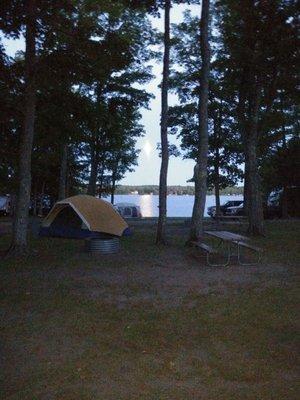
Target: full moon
147,148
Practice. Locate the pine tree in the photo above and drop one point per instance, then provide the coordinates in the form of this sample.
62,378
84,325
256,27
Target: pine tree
161,225
200,170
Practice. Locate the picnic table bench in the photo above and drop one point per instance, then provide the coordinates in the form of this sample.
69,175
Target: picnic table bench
229,239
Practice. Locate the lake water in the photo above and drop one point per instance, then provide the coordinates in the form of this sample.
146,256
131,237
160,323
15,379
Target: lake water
177,206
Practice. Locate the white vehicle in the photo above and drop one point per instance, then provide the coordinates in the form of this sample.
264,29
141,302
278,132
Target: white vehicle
128,210
4,205
238,211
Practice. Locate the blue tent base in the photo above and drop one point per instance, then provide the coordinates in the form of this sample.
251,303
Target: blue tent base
76,233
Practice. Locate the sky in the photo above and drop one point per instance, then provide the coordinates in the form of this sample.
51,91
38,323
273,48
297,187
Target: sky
147,171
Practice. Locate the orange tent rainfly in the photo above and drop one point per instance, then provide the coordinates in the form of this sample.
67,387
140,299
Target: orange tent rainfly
83,216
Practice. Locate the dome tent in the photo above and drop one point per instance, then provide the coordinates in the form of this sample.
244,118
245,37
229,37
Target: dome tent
83,216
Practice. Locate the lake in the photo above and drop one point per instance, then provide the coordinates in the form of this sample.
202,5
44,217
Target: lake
177,206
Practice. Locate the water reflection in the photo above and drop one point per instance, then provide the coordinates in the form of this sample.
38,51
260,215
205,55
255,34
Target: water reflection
147,206
177,206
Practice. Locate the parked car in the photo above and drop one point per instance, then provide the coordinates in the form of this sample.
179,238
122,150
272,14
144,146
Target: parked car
128,210
274,206
235,211
211,211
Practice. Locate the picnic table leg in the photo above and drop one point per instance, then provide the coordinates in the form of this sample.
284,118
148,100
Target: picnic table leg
248,264
229,253
220,265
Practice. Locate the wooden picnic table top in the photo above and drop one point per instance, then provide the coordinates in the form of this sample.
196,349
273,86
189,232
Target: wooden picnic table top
227,236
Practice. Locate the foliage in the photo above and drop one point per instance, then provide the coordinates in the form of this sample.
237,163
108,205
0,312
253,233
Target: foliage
91,66
282,167
93,60
253,49
224,149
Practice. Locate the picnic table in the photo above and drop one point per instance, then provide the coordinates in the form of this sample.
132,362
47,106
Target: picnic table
226,236
229,239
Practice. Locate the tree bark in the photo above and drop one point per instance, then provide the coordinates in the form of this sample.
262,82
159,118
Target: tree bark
19,243
113,183
200,170
35,200
63,173
95,151
113,189
217,131
284,202
217,184
246,185
12,205
92,186
161,226
101,180
41,203
254,196
241,114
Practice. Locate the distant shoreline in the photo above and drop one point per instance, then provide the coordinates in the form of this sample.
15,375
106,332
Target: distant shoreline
175,190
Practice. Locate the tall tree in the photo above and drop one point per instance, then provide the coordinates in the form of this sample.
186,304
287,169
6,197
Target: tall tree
10,118
224,148
19,242
255,36
34,17
63,173
200,170
80,46
161,225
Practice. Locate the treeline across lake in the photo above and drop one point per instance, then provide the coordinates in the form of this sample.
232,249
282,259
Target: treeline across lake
177,190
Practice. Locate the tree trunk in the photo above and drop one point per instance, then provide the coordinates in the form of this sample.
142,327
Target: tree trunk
254,196
95,151
113,189
217,130
63,173
217,197
19,243
41,203
284,203
35,200
246,185
161,226
92,186
113,182
241,114
255,212
217,186
200,170
12,205
101,180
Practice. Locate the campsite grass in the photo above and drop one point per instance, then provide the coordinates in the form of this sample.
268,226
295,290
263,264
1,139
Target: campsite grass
129,332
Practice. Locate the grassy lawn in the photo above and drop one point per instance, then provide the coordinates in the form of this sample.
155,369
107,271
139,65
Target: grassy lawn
150,323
